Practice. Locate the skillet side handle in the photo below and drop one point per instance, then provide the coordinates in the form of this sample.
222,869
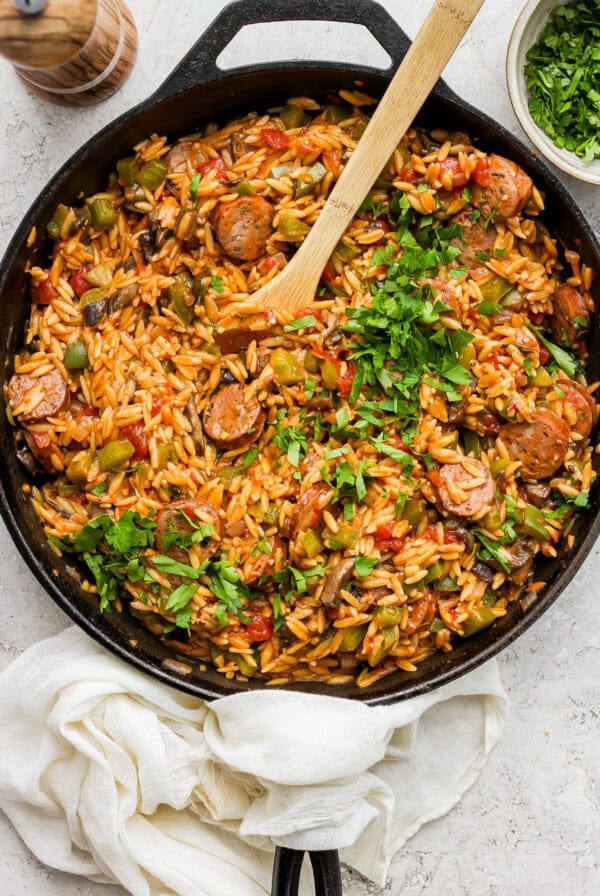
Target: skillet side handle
200,63
287,867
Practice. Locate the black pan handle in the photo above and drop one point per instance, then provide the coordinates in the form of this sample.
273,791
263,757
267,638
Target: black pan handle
200,62
287,866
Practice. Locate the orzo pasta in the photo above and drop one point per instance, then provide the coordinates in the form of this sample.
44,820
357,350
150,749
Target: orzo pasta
332,496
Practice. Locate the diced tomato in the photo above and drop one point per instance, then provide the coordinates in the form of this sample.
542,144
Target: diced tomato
544,354
430,533
302,145
333,612
216,167
536,317
274,138
452,537
329,274
80,497
346,379
87,412
138,438
79,281
494,360
481,172
385,539
398,443
331,159
158,403
453,166
304,312
43,293
267,264
260,628
408,175
491,423
434,477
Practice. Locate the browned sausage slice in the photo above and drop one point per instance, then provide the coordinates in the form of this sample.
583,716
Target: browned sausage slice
581,404
243,226
309,508
475,238
43,396
184,517
465,489
232,418
255,326
541,445
507,191
570,319
421,612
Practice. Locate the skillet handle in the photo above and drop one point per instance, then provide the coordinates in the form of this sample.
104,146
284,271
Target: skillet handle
287,867
200,63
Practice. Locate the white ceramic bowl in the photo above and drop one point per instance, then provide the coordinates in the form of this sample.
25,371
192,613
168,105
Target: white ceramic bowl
526,32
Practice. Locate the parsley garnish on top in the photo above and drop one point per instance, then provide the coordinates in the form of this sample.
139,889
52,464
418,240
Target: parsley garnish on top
121,551
401,338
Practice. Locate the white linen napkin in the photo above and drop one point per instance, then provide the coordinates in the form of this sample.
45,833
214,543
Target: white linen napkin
108,774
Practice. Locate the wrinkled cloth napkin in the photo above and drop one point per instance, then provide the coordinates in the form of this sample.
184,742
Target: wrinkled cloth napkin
108,774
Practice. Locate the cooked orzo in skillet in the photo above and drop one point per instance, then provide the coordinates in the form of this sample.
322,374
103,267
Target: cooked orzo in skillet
333,496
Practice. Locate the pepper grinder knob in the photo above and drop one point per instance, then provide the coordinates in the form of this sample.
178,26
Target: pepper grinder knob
73,52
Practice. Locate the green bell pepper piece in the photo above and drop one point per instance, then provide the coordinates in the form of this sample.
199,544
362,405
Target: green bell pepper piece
309,179
76,356
478,619
103,214
127,169
57,220
286,368
152,174
115,454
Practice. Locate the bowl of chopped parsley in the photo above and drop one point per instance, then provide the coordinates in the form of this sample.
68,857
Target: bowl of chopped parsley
553,76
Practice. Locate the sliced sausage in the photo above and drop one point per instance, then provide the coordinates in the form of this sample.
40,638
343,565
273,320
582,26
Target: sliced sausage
263,564
456,495
178,155
579,400
184,517
420,613
475,238
507,190
243,226
232,418
308,510
51,389
255,326
570,319
541,445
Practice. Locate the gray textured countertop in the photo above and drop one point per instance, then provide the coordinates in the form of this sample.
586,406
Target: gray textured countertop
531,824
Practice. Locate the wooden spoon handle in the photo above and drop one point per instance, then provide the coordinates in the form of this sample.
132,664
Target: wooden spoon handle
435,43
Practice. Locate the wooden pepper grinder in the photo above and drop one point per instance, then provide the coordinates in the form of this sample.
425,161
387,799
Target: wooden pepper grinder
73,52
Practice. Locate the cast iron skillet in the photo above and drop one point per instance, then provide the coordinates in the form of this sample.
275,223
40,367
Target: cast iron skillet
198,90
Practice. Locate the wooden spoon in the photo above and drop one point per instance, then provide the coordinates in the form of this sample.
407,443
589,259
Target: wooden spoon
433,46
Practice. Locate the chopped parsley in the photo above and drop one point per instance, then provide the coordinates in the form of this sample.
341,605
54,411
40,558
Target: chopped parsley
300,323
563,78
293,441
400,337
194,184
